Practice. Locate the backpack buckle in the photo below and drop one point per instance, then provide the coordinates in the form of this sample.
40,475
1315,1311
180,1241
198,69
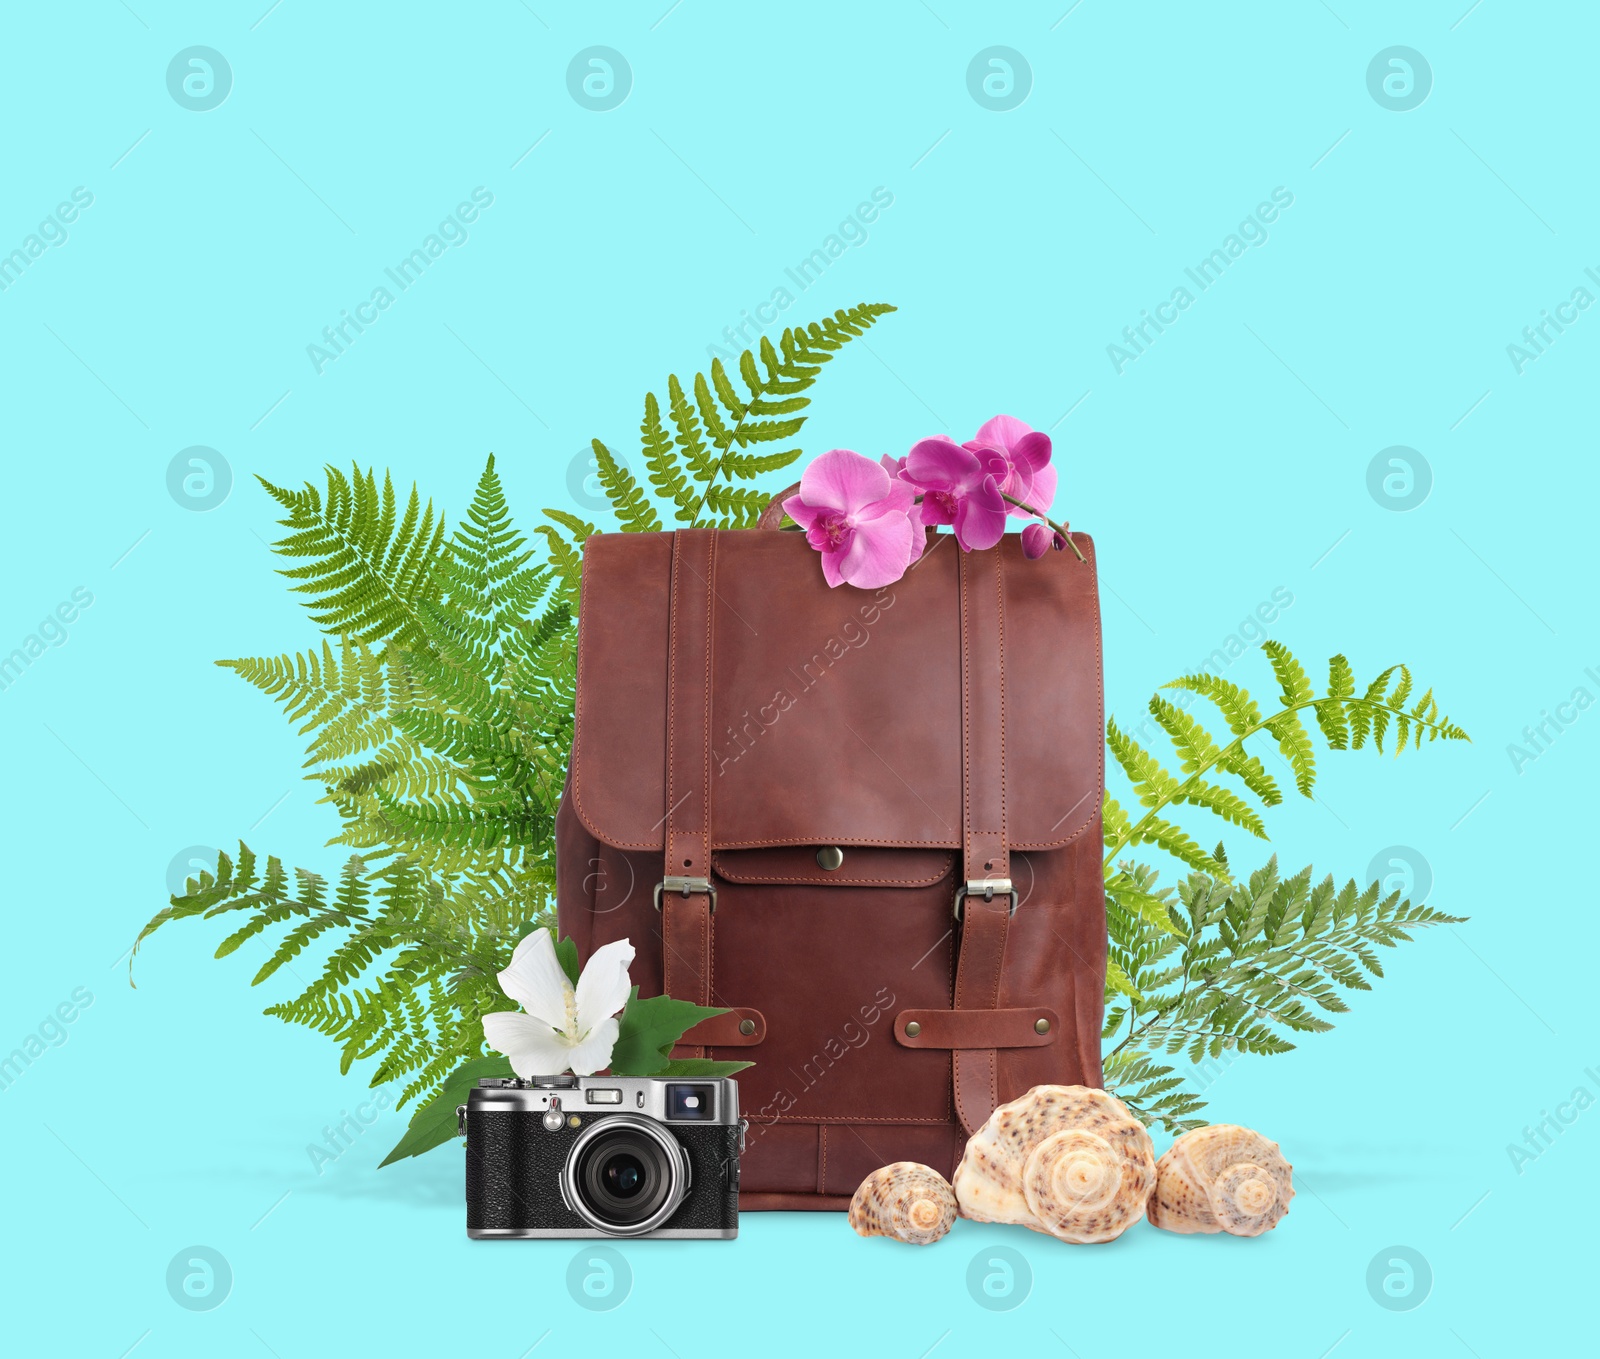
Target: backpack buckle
689,887
986,888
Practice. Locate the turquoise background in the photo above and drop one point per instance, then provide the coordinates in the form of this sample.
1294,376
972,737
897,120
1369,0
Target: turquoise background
1228,461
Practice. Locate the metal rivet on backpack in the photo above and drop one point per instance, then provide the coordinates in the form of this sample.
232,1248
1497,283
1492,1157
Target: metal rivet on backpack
747,1027
913,1029
1041,1026
829,857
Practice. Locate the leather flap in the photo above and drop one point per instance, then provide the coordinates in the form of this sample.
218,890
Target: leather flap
728,1030
976,1028
836,714
858,865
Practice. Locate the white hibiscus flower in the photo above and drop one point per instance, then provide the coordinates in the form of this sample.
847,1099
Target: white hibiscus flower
563,1029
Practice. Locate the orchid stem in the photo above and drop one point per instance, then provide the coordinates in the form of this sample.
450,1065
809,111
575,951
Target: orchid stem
1059,528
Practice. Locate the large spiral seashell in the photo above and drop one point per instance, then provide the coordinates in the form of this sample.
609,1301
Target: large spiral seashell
910,1202
1063,1159
1221,1179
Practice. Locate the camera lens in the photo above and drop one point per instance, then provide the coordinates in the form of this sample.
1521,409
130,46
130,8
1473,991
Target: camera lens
623,1175
626,1176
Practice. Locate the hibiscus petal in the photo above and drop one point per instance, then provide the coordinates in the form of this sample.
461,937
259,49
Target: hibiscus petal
594,1051
879,554
603,986
843,480
534,979
533,1048
939,464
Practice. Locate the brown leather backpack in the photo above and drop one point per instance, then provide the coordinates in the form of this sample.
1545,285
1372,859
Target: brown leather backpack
867,822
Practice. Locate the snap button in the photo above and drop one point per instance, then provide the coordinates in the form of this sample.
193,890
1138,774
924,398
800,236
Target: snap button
913,1028
1041,1026
829,857
747,1027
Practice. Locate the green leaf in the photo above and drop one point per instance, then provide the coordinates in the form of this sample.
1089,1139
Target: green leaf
701,1068
434,1123
567,956
648,1030
1118,980
1128,894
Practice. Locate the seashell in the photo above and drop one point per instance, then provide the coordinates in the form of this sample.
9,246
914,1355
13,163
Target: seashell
910,1202
1221,1179
1063,1159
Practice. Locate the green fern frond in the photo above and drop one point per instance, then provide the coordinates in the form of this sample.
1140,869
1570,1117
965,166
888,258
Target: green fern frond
1237,707
636,513
1294,743
735,507
1154,830
1345,720
704,440
1153,1092
1152,784
362,573
667,475
1256,963
1225,803
566,552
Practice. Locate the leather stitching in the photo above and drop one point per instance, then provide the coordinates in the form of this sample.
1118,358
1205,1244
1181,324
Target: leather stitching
822,1169
844,1118
704,997
705,730
1085,544
833,879
577,731
964,587
1000,652
830,839
674,586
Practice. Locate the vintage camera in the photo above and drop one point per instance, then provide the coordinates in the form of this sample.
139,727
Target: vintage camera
632,1156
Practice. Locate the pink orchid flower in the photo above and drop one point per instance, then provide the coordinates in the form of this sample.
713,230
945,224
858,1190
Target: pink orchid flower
1018,458
957,489
858,517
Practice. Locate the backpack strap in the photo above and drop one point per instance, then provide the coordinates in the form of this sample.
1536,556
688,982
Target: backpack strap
986,899
685,896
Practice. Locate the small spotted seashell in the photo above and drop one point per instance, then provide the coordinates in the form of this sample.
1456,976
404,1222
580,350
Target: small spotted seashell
910,1202
1221,1179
